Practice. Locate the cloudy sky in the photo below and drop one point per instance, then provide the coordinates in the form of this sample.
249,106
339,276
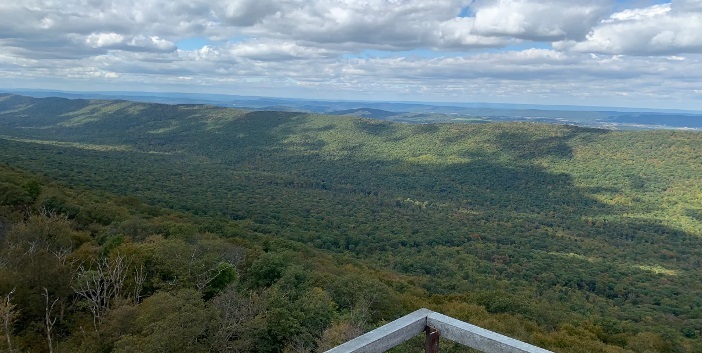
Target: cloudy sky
634,53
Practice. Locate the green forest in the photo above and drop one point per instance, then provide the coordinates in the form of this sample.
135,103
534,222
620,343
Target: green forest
138,227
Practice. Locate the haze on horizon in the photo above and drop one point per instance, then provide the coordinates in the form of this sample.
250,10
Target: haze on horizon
626,53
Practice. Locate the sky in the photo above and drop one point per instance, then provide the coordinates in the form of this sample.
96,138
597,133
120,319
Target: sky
627,53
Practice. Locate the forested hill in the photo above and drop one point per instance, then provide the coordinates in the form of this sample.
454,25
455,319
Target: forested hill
576,239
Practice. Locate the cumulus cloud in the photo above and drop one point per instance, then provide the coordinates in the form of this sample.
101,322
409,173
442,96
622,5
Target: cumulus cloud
346,25
249,12
663,29
275,50
76,28
131,43
687,5
639,13
548,20
458,33
377,24
527,65
380,48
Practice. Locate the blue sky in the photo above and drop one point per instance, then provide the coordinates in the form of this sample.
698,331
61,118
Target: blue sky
590,52
193,43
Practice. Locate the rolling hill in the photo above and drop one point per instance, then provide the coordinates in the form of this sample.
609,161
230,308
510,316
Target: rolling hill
588,235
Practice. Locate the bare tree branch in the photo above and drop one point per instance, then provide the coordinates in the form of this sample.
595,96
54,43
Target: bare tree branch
102,285
139,279
8,315
48,321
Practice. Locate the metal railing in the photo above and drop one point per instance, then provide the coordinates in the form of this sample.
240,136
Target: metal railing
435,325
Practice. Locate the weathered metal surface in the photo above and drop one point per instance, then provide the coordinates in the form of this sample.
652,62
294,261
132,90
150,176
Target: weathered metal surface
477,337
386,336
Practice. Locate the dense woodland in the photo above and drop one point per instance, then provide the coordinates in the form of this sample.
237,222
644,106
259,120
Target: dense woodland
135,227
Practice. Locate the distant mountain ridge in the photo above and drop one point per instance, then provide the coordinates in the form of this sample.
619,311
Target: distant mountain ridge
417,112
366,113
260,100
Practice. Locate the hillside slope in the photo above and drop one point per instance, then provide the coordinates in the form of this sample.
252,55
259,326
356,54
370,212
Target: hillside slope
557,225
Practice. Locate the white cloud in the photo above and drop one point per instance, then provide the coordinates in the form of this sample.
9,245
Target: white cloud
374,48
274,50
687,5
354,25
130,43
532,75
458,33
103,40
665,29
148,43
248,12
639,14
538,20
347,25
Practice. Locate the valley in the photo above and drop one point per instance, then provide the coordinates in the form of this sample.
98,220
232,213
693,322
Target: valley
575,238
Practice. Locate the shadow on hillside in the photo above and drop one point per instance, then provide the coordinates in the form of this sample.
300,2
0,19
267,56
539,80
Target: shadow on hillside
495,212
526,147
694,213
499,185
375,127
253,170
27,112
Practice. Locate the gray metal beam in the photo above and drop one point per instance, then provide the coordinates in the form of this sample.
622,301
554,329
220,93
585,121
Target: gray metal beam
408,326
477,337
387,336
